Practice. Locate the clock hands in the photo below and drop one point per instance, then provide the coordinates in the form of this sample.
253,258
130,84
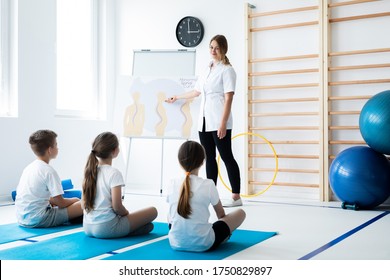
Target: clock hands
189,29
188,26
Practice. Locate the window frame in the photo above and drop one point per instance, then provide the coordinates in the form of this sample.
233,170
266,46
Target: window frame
8,59
98,63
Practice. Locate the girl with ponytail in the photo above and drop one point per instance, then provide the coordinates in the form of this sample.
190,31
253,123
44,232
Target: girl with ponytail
189,199
104,214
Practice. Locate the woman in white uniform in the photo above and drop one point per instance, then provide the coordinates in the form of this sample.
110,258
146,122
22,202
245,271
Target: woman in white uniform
216,87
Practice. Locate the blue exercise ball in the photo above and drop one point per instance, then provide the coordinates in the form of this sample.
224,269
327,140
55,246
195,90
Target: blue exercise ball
360,176
374,122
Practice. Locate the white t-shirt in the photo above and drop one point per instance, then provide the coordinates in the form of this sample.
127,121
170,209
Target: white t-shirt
108,177
39,182
213,85
195,233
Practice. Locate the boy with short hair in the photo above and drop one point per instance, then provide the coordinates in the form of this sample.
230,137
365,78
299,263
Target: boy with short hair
39,201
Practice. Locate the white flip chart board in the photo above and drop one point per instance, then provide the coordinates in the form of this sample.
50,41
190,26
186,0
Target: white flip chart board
140,107
168,63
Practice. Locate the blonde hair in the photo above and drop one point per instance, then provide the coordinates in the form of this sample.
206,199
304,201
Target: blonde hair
191,156
223,47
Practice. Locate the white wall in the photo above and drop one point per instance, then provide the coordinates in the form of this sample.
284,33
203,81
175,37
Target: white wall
134,24
152,25
37,87
140,24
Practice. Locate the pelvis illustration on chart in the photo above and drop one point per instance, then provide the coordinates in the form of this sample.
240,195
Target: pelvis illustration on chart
146,114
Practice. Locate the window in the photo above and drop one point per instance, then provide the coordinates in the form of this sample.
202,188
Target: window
78,90
8,97
3,99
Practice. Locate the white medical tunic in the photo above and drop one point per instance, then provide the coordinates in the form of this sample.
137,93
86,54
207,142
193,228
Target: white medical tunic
213,84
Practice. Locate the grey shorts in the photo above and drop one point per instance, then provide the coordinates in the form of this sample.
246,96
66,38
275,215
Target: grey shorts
117,227
53,217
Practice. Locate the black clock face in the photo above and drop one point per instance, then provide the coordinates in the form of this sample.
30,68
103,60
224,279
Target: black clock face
189,31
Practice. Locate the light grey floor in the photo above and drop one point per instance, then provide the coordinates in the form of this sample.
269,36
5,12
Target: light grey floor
317,231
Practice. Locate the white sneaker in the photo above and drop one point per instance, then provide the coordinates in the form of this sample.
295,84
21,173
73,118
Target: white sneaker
232,203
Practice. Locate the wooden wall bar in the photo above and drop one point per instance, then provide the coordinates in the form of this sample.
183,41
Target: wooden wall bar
328,113
257,118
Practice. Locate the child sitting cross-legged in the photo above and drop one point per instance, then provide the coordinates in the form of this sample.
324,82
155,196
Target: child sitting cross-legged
189,199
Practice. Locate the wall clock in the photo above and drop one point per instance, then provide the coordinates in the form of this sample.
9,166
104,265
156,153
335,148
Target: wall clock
189,31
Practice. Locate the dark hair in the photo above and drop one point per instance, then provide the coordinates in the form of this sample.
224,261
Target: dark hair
223,47
191,156
42,140
102,147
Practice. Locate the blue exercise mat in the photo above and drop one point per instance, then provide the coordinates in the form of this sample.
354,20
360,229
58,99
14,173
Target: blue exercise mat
161,250
77,246
14,232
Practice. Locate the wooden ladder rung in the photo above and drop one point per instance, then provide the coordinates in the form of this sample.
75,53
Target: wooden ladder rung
286,170
358,67
285,72
311,99
344,113
332,5
283,86
284,156
385,14
283,26
346,142
271,13
285,128
282,58
359,82
286,142
287,184
357,52
283,114
346,127
356,97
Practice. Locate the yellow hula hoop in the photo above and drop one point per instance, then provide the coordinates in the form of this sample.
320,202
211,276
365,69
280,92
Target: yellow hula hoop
276,165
